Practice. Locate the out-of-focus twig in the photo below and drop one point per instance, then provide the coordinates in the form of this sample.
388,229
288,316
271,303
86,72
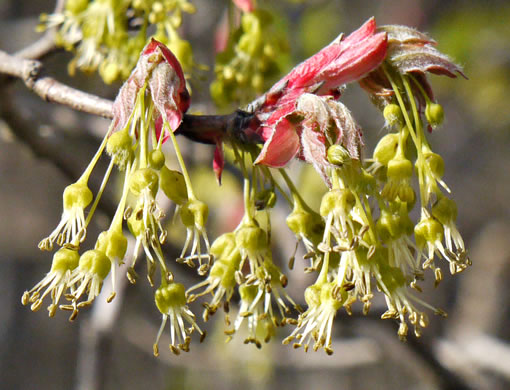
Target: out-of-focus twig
52,90
200,128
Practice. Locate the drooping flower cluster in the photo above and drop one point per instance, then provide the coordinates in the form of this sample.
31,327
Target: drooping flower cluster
148,109
247,58
361,240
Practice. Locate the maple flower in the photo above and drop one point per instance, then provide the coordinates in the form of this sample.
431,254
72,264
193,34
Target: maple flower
342,61
55,283
315,324
72,227
221,280
171,301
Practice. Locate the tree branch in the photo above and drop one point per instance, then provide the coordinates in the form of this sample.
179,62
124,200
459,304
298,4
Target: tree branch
199,128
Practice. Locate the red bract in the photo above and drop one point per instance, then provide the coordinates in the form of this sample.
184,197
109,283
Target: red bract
160,72
409,52
244,5
342,61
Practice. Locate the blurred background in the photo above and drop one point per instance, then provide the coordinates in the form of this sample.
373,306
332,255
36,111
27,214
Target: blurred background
45,147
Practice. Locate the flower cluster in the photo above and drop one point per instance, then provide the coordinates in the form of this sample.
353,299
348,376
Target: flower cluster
362,236
247,59
147,111
100,32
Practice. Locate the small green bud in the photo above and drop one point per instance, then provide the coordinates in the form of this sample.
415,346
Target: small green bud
144,178
309,224
269,50
223,245
184,53
434,114
113,243
428,230
340,199
194,213
218,269
109,72
257,82
95,262
65,260
388,226
76,7
338,155
173,185
251,238
120,148
393,115
169,296
386,148
77,195
313,295
400,167
228,73
157,160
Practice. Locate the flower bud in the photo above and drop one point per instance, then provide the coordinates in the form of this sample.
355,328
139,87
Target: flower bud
388,226
428,230
257,82
77,195
194,213
252,238
400,167
65,260
120,148
393,115
156,159
182,50
144,178
173,185
434,114
76,7
109,72
386,148
223,245
341,199
308,224
169,296
313,295
338,155
95,262
113,243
